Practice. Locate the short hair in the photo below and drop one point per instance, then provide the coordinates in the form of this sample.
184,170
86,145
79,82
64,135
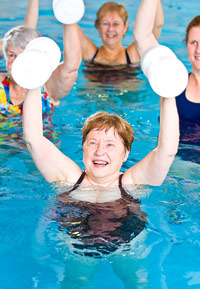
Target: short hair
111,6
19,36
103,120
195,22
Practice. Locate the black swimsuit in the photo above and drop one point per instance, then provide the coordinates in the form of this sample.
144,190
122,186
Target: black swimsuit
128,60
110,74
100,228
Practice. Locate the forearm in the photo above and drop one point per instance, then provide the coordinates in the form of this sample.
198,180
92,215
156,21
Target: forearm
169,126
1,47
153,169
143,29
162,157
47,158
66,73
32,14
32,117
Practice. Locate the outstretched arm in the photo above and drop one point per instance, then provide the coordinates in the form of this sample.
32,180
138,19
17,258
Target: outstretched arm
155,25
88,48
50,161
63,78
154,167
159,20
143,30
32,14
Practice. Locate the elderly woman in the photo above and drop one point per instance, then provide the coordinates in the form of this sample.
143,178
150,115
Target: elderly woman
11,94
106,138
96,207
112,25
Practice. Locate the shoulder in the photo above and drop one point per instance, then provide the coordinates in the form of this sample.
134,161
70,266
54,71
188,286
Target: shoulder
89,52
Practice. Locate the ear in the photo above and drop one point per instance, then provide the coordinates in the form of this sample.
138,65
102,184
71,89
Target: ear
126,27
126,154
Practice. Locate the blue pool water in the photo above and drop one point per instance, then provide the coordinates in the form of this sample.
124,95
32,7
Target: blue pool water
34,253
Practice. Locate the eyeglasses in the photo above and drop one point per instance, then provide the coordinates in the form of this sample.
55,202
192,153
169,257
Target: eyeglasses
115,25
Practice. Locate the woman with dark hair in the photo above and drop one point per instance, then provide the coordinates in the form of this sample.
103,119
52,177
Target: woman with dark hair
188,102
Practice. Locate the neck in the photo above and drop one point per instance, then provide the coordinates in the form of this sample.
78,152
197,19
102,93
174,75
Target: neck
114,50
108,184
196,77
17,93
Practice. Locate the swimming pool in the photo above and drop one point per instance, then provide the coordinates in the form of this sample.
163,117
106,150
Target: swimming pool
34,253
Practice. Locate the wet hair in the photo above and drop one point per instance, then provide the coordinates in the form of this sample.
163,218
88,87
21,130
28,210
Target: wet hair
103,120
111,6
195,22
19,36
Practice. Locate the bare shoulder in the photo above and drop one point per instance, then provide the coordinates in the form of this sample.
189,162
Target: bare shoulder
127,178
89,50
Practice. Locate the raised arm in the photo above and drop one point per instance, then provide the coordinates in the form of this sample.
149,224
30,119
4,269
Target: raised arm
52,164
143,30
30,20
154,167
159,20
88,48
63,78
31,17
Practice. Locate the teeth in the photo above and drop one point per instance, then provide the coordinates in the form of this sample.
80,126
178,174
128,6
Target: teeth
100,163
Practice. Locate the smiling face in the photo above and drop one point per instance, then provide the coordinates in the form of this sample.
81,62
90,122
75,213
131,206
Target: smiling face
11,54
104,154
112,28
193,47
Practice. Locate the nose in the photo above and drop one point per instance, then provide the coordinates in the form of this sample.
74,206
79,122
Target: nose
99,149
111,26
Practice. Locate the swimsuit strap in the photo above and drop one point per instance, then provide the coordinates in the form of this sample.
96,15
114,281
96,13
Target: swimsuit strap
77,184
123,192
128,60
94,56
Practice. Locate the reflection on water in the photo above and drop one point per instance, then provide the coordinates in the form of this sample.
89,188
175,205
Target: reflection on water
107,74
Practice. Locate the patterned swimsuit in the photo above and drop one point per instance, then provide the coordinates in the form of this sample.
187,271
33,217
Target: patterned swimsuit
9,109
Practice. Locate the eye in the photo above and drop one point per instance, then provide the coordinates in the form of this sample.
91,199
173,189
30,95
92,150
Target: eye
194,42
11,55
92,143
110,144
116,24
104,24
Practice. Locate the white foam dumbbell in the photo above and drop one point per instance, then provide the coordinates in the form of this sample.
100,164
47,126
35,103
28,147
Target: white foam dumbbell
34,66
167,75
68,11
